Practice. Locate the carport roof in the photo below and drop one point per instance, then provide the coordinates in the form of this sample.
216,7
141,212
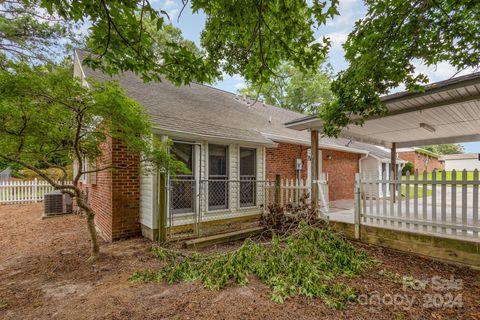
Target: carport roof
446,112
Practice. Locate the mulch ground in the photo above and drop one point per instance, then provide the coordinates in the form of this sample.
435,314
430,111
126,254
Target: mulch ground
44,274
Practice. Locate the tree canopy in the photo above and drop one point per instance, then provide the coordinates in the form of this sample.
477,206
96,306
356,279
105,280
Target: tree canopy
46,114
383,47
30,34
295,90
250,38
446,148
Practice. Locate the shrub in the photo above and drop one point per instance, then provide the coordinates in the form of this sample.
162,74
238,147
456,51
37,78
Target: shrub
55,173
408,167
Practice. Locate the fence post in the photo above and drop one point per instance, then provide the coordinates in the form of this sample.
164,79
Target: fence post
277,189
357,206
162,208
35,190
393,170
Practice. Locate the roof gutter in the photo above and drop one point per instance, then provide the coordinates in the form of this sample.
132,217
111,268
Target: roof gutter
426,152
342,148
285,139
301,120
307,143
211,138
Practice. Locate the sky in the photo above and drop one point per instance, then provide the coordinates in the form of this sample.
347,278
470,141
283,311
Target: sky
337,30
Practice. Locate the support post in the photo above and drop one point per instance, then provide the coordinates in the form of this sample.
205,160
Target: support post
357,206
162,208
277,190
393,169
315,162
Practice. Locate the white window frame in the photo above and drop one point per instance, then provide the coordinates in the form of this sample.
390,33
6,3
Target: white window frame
255,151
207,174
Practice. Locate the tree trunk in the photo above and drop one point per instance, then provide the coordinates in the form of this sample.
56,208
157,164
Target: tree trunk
82,203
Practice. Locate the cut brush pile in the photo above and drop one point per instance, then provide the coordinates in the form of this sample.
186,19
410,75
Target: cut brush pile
306,261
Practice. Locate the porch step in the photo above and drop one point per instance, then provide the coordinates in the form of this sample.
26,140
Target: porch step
223,238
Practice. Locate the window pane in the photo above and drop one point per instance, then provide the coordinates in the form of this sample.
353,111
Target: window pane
182,187
217,160
182,195
217,194
218,176
247,162
183,152
247,177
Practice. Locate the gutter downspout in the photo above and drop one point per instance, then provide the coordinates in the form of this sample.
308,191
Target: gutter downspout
365,156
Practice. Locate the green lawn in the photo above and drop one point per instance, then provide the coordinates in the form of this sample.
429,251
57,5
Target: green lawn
458,175
420,192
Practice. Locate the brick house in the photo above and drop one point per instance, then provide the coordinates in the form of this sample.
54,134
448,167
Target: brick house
422,160
232,148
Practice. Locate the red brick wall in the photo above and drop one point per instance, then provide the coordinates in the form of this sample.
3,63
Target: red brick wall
341,169
100,194
281,160
125,193
418,160
115,198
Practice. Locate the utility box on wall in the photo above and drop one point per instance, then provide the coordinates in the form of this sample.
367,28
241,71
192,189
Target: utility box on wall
298,164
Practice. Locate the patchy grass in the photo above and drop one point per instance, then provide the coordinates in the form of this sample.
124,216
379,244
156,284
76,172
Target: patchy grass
305,263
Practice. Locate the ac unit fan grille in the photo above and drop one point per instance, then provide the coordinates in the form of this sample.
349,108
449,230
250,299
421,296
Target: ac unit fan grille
53,203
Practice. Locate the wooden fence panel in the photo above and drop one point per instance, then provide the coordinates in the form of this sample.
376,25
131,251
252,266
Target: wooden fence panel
475,203
24,191
427,203
453,206
434,199
407,199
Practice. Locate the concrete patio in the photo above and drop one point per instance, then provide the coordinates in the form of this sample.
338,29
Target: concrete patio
343,211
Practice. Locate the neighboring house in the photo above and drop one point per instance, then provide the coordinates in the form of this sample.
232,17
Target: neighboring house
422,160
231,148
463,161
377,165
5,174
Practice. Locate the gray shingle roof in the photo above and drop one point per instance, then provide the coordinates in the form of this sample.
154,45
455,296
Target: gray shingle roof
204,110
460,156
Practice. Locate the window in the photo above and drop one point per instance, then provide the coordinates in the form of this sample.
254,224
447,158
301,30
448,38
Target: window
87,165
217,160
182,187
92,176
247,177
183,152
218,177
83,178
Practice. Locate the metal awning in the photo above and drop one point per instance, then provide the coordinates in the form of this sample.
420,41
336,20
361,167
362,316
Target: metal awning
446,112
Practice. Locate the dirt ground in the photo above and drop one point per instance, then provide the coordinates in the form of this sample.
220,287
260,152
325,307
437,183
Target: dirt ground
44,274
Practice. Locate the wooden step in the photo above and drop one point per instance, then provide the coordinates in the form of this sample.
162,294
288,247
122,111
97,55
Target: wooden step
223,238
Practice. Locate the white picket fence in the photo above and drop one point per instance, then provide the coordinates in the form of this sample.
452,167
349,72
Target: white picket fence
424,203
292,191
22,191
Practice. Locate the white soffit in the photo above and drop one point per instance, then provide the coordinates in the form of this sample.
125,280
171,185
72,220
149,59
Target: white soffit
447,112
